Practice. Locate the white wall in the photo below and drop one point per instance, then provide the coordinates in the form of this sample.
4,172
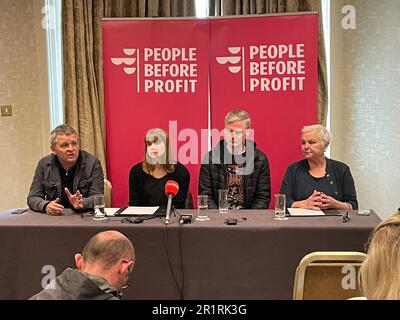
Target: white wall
365,100
23,84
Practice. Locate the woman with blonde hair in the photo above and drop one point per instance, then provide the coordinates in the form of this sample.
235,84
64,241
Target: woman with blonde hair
379,275
317,182
147,179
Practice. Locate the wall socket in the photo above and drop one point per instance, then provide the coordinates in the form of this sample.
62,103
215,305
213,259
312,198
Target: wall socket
6,110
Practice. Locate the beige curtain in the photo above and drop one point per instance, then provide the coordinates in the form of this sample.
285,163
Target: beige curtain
245,7
83,59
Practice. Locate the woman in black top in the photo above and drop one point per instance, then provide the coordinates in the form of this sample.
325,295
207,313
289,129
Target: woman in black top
147,179
318,182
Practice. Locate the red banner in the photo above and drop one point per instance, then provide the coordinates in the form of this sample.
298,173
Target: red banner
162,72
155,75
267,66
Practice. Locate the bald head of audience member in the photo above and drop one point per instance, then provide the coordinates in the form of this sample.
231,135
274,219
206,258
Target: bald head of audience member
110,255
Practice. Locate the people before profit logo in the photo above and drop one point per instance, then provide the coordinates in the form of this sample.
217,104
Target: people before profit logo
233,61
275,67
161,70
130,61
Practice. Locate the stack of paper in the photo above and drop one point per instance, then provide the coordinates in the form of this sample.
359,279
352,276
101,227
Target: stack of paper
131,211
299,212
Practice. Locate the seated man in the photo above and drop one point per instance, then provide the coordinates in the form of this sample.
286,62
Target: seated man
67,178
104,269
237,165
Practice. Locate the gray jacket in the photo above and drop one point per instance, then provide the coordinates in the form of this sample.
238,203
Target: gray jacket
73,284
46,184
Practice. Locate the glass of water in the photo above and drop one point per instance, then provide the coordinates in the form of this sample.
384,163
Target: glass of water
202,208
99,204
280,207
223,201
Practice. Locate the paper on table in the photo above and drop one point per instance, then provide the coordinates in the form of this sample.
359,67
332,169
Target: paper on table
299,212
131,211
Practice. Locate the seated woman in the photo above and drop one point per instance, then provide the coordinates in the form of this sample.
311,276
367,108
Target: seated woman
379,273
317,182
147,179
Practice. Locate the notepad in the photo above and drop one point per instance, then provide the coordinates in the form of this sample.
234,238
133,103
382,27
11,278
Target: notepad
299,212
131,211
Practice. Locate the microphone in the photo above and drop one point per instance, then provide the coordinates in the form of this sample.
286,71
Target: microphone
171,189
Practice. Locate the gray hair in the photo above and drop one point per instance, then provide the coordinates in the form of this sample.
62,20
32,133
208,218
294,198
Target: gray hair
61,129
238,115
323,134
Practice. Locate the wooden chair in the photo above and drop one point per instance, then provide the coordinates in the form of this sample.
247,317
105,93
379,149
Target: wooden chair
328,275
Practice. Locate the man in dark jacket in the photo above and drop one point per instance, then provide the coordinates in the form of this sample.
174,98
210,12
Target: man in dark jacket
237,165
104,269
67,178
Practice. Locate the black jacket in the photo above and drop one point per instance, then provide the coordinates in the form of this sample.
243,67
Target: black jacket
338,182
257,184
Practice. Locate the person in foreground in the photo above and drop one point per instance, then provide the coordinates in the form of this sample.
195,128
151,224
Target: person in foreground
104,269
147,178
237,165
317,182
67,178
379,275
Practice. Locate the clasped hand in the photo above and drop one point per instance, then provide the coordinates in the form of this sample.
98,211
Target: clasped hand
319,200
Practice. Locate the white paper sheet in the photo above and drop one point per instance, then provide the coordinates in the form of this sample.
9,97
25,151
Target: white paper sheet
131,211
299,212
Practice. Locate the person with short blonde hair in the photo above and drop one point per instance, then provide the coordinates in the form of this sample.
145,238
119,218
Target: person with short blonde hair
147,178
317,182
104,269
379,274
237,165
238,115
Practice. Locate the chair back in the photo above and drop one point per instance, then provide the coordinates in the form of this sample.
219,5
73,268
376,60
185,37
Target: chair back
328,275
107,193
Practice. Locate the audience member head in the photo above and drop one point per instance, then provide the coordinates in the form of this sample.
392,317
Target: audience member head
157,151
380,272
110,255
64,143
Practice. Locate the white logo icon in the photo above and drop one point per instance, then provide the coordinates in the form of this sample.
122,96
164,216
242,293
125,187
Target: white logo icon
232,60
128,62
235,62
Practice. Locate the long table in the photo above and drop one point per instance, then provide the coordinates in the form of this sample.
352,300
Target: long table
255,259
